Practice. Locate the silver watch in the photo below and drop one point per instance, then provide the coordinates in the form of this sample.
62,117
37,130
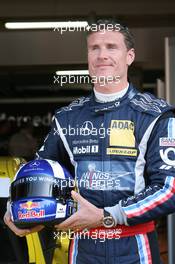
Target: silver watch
108,221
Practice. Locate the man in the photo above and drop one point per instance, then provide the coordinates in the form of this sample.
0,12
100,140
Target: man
120,143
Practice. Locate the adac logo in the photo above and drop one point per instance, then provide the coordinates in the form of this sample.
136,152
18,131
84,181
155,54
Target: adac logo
122,133
29,205
35,163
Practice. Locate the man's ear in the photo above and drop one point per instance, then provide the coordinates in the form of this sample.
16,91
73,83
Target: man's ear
130,56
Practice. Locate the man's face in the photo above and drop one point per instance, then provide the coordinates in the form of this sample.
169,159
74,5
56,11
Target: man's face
108,55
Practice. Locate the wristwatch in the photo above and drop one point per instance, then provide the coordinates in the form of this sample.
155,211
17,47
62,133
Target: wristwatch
108,221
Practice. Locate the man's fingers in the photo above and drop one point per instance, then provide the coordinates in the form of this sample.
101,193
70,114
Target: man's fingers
24,232
7,217
67,223
10,224
77,197
18,231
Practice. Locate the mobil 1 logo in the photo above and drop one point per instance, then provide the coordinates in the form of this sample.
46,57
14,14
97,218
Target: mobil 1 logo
85,149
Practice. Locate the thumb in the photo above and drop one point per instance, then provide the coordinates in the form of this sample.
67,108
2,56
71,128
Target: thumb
78,198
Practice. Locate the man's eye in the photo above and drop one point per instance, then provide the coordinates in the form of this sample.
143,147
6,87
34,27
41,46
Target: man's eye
94,47
112,47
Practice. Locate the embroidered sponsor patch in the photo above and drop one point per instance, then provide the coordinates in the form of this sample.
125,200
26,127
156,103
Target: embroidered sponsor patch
85,149
167,142
121,151
107,175
165,156
89,141
122,133
61,210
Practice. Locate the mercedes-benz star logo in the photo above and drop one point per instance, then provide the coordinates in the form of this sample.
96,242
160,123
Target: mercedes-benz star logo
35,164
87,127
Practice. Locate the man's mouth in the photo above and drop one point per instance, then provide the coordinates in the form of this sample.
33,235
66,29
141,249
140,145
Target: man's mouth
103,65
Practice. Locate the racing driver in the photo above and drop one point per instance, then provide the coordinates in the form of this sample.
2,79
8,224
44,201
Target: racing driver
120,143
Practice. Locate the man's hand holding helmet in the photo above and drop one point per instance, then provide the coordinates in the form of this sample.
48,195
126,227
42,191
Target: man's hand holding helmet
40,195
18,231
88,216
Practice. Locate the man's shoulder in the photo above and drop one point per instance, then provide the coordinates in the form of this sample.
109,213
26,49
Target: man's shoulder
150,104
73,106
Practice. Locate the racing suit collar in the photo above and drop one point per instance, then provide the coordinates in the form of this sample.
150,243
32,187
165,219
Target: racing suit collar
105,98
111,106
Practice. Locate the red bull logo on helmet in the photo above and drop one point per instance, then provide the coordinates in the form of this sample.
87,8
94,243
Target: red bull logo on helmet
31,214
29,205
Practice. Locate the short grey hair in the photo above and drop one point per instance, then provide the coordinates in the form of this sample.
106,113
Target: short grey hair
113,25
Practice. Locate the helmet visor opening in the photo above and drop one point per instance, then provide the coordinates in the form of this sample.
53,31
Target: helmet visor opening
41,186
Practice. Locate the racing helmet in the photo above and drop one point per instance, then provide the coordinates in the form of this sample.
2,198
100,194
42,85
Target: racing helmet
41,194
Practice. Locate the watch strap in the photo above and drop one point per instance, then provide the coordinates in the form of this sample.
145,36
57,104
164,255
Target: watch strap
106,213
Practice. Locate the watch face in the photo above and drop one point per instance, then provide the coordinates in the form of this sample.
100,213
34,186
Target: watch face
108,221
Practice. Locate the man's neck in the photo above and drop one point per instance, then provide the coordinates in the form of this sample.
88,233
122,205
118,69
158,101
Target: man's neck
110,88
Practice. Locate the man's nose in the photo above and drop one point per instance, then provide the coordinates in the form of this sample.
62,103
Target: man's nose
103,54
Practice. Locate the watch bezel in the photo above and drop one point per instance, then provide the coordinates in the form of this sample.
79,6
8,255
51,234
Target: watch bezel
107,219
